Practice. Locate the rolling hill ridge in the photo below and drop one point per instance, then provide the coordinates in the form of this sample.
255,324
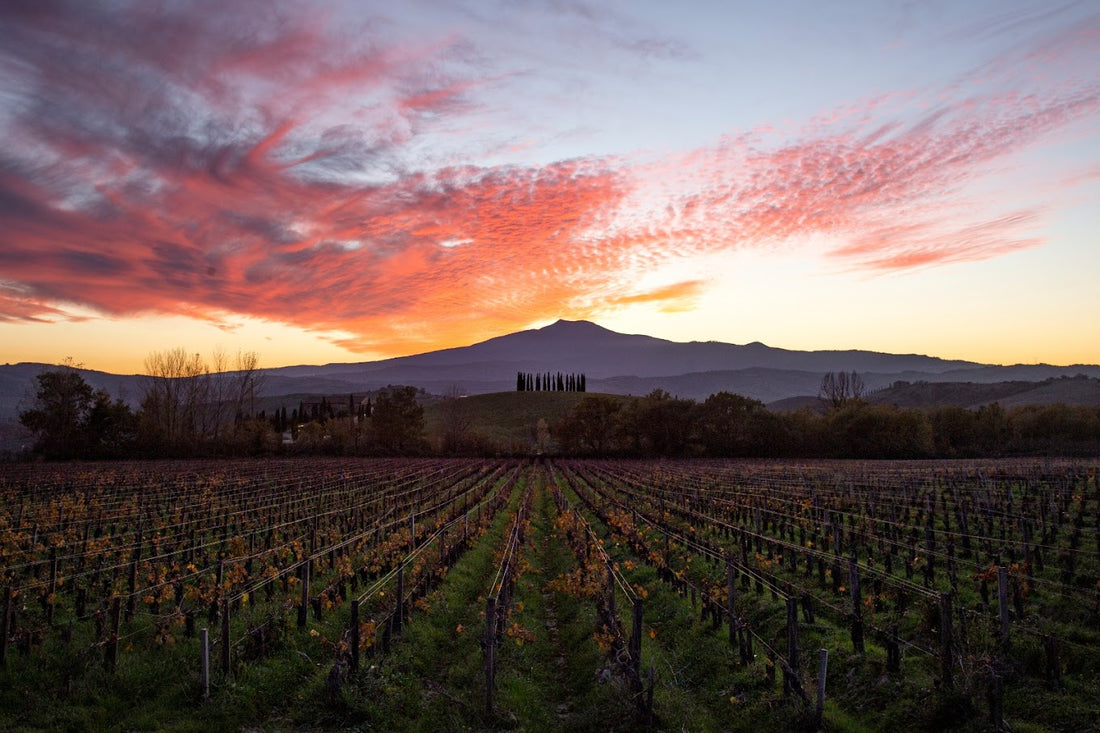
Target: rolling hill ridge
629,364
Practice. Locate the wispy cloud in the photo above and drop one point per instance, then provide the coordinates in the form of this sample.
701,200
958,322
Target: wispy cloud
245,158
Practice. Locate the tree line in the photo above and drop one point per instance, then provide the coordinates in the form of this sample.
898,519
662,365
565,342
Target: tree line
549,382
731,425
194,407
191,406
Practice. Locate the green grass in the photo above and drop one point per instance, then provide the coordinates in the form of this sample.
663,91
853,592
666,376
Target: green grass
552,684
507,419
433,679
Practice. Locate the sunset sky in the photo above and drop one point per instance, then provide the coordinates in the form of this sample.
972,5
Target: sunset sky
347,181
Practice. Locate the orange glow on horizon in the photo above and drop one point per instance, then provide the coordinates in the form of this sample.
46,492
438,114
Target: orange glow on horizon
301,177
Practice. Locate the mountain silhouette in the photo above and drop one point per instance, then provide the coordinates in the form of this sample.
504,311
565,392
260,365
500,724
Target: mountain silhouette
612,362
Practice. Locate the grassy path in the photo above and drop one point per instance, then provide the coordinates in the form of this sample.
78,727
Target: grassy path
699,683
553,682
548,665
434,677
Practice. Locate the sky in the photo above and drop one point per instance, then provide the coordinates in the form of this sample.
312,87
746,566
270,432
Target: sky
348,181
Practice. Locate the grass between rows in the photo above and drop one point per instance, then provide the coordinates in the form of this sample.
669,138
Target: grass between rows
433,679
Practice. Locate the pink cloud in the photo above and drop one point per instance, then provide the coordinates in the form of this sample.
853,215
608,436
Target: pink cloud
899,195
196,164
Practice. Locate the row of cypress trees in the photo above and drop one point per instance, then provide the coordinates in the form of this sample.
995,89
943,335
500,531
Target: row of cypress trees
549,382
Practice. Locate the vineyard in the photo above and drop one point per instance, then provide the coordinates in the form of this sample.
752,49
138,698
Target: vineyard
551,594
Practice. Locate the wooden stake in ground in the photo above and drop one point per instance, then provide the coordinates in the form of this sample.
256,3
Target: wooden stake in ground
225,636
5,626
947,643
732,591
490,649
205,635
790,672
1002,603
303,606
399,612
52,589
636,637
857,606
353,640
111,658
822,670
1053,666
893,651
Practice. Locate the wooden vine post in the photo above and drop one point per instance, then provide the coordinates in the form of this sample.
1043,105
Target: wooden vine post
52,589
490,650
731,589
111,657
1053,666
893,651
225,637
131,600
790,671
303,605
610,589
399,610
947,654
353,636
205,674
822,671
1002,603
636,637
857,606
5,626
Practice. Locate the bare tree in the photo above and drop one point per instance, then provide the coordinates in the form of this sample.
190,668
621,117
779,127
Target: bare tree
218,395
856,386
173,391
187,399
840,388
244,384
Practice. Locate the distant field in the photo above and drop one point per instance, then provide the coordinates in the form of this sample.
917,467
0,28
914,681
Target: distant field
507,418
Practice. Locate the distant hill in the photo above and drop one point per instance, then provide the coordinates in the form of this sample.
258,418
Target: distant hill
1078,390
613,362
602,353
17,385
635,364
